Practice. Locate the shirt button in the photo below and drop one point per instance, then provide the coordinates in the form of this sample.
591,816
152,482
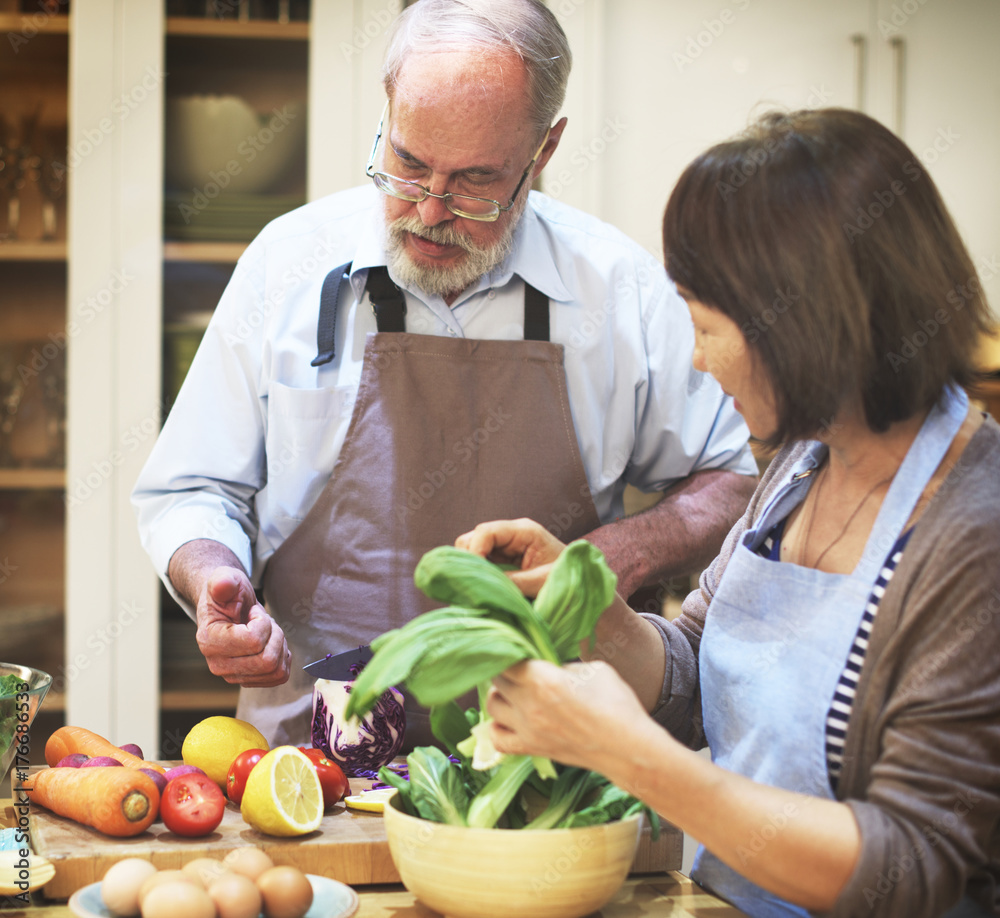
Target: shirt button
492,294
453,333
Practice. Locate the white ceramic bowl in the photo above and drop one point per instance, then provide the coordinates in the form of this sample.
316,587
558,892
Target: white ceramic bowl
219,143
510,873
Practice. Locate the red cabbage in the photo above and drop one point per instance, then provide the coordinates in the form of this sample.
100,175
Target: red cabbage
362,745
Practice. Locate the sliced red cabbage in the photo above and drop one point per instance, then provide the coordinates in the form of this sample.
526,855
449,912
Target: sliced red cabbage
364,745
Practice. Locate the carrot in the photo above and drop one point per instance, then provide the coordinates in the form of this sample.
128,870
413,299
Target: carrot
113,800
69,740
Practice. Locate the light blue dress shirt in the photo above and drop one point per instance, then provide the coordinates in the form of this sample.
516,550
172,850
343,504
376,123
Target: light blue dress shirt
255,431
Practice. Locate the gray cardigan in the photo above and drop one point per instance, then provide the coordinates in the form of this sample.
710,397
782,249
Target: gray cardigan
921,766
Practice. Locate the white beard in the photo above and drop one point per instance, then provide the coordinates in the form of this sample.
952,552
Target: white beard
445,282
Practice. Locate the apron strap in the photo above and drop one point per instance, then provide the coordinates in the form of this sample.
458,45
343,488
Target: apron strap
389,306
388,302
536,314
326,327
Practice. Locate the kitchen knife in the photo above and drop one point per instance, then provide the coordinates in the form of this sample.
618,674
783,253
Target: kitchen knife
337,666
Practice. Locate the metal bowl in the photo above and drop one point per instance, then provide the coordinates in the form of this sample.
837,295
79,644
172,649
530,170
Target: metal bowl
18,710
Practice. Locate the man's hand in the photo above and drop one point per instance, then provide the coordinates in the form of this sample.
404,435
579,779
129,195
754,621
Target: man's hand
237,637
522,542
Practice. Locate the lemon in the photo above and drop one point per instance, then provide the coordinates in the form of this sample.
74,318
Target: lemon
283,795
373,801
214,742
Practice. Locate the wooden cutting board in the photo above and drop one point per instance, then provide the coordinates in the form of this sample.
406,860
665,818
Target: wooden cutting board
349,846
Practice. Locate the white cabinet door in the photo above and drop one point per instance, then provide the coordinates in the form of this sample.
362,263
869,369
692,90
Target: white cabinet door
654,83
938,76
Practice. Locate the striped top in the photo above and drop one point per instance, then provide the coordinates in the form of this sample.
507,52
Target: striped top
843,697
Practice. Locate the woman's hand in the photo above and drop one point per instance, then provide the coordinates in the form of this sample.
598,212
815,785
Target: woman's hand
522,542
571,713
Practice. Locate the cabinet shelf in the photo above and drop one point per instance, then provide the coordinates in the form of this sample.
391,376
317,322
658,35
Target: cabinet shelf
222,28
33,251
32,479
207,252
28,24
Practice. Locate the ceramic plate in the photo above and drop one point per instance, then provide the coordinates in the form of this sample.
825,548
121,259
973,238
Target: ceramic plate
331,899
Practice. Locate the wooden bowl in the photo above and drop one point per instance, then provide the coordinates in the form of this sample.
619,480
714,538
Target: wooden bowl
510,873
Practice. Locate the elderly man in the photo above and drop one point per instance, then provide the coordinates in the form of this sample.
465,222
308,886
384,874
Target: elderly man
469,350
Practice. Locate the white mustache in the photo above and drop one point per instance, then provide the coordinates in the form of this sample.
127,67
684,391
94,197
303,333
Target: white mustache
443,234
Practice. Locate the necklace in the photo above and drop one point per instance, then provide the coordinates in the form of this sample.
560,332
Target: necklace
846,526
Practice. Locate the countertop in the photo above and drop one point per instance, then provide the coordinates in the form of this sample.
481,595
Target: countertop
664,894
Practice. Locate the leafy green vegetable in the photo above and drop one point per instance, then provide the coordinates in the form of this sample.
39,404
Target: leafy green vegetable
442,654
574,595
10,684
436,788
486,627
450,725
489,804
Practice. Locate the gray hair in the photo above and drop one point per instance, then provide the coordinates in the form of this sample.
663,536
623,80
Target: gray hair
526,27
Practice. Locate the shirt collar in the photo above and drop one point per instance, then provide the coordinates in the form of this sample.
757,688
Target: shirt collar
532,258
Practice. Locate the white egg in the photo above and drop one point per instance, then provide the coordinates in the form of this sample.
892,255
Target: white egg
121,883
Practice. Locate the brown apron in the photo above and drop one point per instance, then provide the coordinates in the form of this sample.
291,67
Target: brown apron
446,433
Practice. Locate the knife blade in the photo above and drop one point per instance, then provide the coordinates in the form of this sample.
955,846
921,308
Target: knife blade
337,666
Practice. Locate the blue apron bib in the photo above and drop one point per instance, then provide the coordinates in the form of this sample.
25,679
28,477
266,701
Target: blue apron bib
776,639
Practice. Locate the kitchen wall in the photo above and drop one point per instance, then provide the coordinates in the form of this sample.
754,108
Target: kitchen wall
657,81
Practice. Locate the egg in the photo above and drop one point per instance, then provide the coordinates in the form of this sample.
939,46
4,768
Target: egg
174,898
249,861
120,887
235,896
166,876
286,892
205,869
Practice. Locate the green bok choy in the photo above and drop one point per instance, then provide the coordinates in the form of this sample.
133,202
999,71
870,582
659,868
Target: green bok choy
486,626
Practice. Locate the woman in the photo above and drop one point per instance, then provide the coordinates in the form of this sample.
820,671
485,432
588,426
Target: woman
840,657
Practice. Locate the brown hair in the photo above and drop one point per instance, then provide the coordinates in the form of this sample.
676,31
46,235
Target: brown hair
821,235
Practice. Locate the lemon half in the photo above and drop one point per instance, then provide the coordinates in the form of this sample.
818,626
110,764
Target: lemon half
283,795
372,801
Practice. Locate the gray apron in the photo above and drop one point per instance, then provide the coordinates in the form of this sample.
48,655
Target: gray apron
446,433
776,639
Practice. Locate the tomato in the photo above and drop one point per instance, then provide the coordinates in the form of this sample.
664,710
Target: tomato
239,771
331,776
192,805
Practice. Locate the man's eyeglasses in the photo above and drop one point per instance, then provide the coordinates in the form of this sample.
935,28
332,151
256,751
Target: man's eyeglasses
461,205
